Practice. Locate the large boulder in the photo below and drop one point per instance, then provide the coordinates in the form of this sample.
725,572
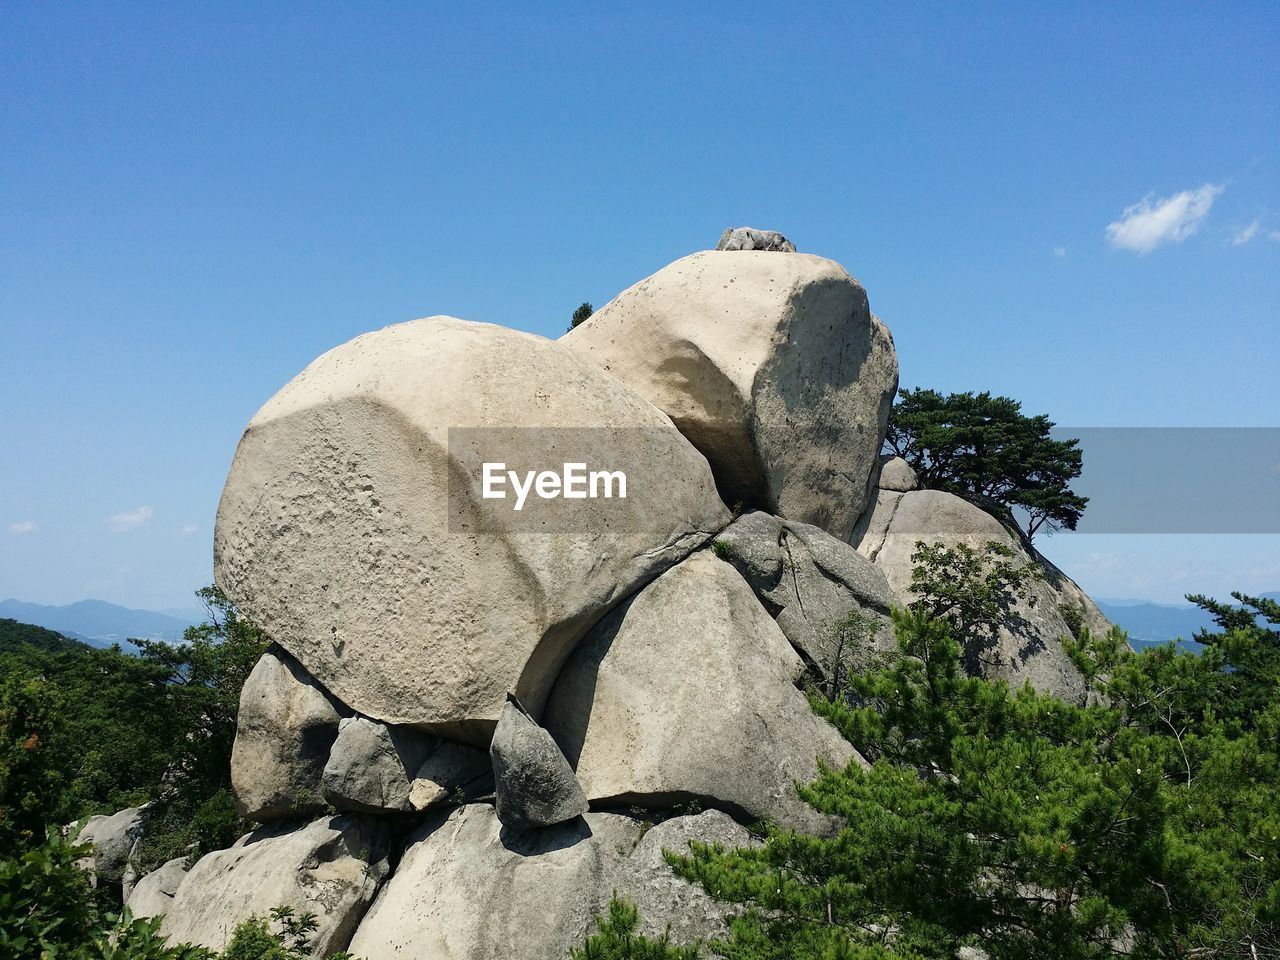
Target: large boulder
687,691
331,868
771,363
468,890
114,839
354,526
1028,646
153,894
533,782
831,602
284,730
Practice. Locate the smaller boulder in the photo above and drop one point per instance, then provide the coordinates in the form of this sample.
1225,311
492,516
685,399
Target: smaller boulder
152,894
114,839
534,783
749,238
896,475
286,725
375,767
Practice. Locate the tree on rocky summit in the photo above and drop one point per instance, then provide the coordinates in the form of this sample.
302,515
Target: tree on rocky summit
584,312
985,449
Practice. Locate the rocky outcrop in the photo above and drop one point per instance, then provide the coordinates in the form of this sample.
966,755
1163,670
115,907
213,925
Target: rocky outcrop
896,475
534,784
466,889
771,363
284,730
687,691
667,903
353,526
153,894
749,238
331,868
374,767
1028,647
114,839
831,602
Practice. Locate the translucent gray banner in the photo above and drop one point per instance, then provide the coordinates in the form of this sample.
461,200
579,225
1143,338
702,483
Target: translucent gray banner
1178,479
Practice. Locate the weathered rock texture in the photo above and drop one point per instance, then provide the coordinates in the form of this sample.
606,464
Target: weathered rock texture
468,890
1029,646
114,838
336,532
771,363
896,475
831,602
331,867
284,730
375,767
686,691
153,894
534,784
749,238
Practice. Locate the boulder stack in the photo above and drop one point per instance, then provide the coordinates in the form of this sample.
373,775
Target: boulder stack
516,711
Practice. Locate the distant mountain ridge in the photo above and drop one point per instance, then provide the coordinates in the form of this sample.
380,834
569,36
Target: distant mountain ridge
97,622
1150,623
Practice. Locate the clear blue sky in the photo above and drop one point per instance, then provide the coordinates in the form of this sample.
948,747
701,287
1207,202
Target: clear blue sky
197,199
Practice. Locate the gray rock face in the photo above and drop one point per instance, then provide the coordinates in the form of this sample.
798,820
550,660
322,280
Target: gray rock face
468,890
337,533
284,730
373,767
749,238
113,838
831,602
663,899
1029,647
896,475
331,867
771,364
687,691
153,894
534,783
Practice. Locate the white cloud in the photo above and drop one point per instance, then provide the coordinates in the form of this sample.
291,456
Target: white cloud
130,519
1246,234
1151,223
23,526
187,529
1059,251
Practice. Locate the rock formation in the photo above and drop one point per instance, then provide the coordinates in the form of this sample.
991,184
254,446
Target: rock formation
114,840
771,363
533,783
337,534
686,692
284,731
656,645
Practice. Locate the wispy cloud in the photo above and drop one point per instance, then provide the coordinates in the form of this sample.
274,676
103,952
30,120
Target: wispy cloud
187,529
24,526
1059,251
130,519
1245,234
1152,222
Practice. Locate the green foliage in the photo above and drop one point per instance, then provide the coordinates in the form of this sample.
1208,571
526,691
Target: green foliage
985,449
618,939
974,592
851,637
47,908
1145,824
723,549
581,314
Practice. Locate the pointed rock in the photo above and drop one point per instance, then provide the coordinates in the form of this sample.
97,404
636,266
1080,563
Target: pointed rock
534,783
